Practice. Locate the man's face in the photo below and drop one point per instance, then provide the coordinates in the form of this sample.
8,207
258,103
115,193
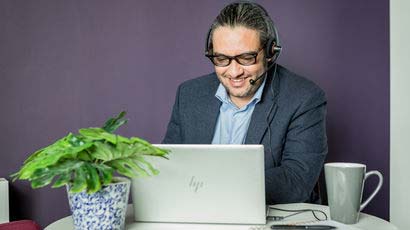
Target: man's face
232,41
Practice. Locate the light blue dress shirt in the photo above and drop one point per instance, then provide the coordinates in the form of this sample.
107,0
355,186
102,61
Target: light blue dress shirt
233,122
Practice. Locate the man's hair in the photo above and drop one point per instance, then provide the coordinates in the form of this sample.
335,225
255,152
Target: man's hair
247,14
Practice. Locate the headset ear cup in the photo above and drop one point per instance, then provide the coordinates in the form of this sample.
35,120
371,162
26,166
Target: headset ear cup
207,41
270,48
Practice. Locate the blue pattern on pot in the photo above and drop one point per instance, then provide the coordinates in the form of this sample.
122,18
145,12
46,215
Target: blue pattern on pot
102,210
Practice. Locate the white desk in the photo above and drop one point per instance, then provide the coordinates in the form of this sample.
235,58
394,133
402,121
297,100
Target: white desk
366,222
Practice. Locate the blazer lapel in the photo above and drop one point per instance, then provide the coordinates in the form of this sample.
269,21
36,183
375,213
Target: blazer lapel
259,123
212,112
209,114
267,106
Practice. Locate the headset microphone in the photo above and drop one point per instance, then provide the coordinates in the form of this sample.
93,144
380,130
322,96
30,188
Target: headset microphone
253,81
277,50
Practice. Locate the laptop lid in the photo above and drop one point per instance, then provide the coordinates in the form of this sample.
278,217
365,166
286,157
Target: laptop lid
204,184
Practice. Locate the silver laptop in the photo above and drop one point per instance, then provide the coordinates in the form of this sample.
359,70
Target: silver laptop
222,184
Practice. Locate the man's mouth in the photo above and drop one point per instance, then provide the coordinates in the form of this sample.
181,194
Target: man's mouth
237,82
237,78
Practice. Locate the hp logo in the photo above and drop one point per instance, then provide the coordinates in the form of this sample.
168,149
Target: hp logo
195,185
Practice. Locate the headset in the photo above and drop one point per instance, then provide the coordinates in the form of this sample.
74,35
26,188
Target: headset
272,47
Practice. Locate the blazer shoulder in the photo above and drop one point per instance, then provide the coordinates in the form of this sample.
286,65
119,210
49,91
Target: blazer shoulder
296,87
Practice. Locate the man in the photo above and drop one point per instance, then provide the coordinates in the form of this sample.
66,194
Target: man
252,100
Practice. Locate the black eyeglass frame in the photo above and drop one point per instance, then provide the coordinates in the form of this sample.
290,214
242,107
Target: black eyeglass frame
254,55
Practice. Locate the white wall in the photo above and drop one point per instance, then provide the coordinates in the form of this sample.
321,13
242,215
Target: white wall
4,200
400,113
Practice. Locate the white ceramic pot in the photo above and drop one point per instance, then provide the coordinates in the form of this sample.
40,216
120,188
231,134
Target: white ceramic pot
104,209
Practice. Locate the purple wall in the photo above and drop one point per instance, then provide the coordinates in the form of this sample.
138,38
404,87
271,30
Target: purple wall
71,64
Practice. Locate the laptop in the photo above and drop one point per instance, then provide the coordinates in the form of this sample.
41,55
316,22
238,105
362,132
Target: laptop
211,184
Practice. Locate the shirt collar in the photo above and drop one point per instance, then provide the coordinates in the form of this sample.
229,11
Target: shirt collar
223,96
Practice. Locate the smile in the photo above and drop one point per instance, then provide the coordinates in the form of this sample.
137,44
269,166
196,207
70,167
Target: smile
237,78
237,82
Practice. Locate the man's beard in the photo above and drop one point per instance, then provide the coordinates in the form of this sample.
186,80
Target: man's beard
250,90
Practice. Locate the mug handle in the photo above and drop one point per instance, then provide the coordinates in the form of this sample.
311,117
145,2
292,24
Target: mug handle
377,173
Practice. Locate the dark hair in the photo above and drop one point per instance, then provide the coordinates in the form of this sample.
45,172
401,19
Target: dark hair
247,14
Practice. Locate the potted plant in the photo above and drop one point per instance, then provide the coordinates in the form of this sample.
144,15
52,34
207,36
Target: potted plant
86,163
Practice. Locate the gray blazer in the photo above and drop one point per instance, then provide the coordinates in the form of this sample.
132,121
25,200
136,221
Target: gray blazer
289,121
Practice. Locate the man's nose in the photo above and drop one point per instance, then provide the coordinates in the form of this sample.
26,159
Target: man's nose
235,69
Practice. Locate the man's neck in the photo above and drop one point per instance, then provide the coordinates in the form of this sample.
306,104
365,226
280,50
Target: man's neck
240,102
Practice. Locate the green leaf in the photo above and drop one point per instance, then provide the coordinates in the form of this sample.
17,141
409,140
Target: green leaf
80,180
148,149
157,152
43,176
93,179
102,151
75,141
92,133
62,180
105,173
145,164
140,141
124,140
61,143
50,156
112,138
41,181
84,156
135,166
137,149
127,150
34,155
127,168
96,134
113,124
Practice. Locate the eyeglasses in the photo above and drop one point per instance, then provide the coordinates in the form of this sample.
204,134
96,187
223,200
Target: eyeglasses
225,60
